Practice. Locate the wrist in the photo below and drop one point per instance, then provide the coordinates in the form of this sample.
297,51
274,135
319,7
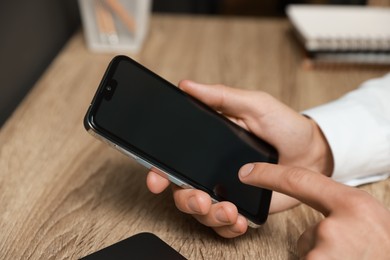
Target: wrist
322,157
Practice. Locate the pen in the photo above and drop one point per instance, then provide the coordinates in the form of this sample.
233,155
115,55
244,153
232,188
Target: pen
123,14
105,23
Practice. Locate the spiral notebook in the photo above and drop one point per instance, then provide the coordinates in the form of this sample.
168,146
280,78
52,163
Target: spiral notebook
343,33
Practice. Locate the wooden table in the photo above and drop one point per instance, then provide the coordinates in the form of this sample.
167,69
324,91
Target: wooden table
64,195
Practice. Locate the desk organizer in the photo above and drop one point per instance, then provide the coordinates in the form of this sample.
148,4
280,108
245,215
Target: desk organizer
115,25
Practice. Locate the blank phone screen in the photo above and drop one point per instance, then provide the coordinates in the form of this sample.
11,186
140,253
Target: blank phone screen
158,122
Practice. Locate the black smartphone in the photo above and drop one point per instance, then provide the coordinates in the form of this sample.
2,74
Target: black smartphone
163,128
140,246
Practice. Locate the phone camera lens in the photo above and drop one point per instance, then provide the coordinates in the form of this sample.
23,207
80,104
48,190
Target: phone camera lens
109,89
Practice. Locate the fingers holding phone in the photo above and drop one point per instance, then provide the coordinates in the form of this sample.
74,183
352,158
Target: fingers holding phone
199,204
223,217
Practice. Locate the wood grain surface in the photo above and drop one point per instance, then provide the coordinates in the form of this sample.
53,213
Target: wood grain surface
64,195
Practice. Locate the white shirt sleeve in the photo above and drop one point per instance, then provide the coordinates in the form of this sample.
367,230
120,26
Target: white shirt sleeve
357,127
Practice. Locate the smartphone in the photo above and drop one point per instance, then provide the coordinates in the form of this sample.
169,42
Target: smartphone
140,246
168,131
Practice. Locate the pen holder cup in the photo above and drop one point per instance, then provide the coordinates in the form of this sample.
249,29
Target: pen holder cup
115,25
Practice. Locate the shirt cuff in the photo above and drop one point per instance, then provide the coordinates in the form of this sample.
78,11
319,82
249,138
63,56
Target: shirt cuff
357,128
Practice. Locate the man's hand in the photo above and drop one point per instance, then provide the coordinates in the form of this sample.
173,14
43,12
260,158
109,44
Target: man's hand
298,140
356,226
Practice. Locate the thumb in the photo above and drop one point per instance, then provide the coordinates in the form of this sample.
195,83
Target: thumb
228,100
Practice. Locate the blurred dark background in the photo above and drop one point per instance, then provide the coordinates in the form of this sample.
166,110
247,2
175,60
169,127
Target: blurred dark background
33,32
238,7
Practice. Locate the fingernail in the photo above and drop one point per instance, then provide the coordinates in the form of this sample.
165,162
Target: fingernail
237,228
190,82
221,216
194,205
187,83
246,169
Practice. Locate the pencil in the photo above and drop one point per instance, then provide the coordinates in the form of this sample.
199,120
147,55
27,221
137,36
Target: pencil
105,23
123,14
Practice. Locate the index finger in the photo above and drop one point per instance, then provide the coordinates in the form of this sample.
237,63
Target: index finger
313,189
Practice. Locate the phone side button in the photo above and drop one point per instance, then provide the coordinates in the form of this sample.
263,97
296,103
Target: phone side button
144,163
178,182
186,186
